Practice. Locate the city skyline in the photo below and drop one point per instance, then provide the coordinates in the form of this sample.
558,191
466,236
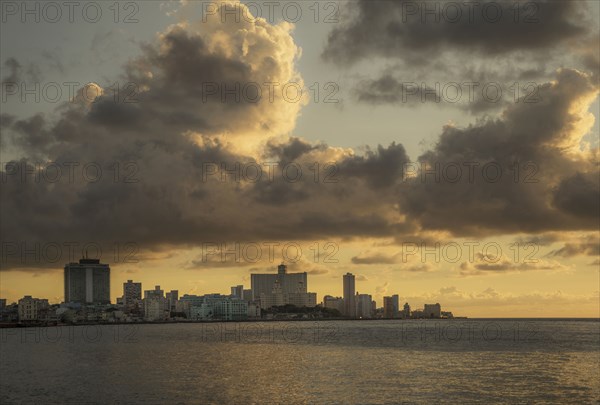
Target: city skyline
92,289
85,300
462,170
300,202
464,304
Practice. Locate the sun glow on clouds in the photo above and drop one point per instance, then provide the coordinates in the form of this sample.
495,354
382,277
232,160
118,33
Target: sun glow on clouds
250,53
373,208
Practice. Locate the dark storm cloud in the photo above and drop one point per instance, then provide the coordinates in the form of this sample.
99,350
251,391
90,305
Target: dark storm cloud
397,29
164,198
6,120
162,195
14,72
545,184
380,169
292,150
429,47
579,195
12,69
172,202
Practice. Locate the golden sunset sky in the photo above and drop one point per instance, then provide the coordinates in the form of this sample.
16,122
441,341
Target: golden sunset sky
452,162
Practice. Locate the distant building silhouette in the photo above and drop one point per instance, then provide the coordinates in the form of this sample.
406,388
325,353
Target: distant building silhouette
217,306
171,299
406,311
349,291
391,306
132,294
237,291
87,282
30,308
388,307
157,292
155,304
364,306
334,303
432,310
281,289
395,306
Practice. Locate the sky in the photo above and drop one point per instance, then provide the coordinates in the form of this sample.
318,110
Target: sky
439,152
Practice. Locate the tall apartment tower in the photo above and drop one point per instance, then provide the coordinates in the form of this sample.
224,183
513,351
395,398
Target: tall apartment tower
132,293
171,300
87,282
289,282
349,291
237,291
395,306
157,292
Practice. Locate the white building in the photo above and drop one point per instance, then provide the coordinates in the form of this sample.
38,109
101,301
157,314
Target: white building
155,307
30,308
282,288
216,306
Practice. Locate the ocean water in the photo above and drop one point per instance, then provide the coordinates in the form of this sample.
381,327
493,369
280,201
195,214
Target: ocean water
327,362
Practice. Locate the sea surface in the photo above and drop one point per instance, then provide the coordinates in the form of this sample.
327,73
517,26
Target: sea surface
327,362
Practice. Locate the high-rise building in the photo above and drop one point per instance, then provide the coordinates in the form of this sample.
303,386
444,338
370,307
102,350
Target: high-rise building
406,311
154,308
388,307
155,304
87,282
364,306
281,289
132,294
157,292
247,294
391,306
237,291
349,291
171,299
288,282
395,306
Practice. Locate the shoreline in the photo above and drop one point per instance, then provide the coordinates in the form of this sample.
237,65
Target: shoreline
49,325
46,324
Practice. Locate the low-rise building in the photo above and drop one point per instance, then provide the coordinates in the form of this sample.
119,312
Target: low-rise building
216,306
